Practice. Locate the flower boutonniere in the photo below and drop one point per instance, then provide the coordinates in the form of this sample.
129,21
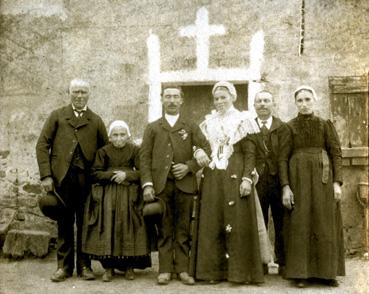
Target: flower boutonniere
183,134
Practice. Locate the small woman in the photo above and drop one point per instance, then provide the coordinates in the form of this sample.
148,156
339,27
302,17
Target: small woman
114,229
228,241
311,178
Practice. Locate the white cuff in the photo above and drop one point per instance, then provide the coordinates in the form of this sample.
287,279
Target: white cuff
147,184
247,179
197,150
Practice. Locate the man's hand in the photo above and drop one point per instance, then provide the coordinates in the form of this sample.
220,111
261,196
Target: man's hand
179,170
245,188
337,191
119,176
287,197
48,184
202,158
149,194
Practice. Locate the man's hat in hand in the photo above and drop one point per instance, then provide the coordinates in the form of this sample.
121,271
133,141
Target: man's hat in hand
52,205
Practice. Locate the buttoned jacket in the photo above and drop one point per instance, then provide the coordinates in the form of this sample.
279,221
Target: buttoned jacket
163,146
61,134
263,157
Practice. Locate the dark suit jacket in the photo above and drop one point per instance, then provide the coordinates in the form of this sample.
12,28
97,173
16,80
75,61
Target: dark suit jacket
162,145
59,137
257,155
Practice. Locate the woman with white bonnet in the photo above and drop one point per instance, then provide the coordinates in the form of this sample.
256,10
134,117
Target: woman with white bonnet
311,177
228,240
114,228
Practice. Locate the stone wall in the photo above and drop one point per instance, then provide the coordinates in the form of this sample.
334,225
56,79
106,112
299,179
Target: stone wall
45,43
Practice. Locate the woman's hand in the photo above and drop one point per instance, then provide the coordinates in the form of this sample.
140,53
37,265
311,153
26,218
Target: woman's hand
119,176
201,157
337,191
245,188
287,197
255,176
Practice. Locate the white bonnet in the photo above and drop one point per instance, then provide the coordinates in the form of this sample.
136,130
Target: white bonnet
307,88
230,87
119,123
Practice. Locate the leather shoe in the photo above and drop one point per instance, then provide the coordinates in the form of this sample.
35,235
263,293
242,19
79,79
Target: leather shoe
108,275
332,283
59,275
164,278
87,274
129,275
300,283
186,279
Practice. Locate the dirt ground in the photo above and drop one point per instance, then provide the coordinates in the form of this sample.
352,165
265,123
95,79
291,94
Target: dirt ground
32,275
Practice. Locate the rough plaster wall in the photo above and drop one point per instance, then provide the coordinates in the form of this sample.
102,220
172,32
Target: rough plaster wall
44,43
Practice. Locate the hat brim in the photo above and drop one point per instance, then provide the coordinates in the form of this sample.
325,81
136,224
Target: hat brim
51,205
153,209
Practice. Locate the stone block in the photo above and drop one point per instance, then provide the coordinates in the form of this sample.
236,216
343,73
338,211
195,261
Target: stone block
4,153
21,242
355,152
360,161
28,202
7,216
346,161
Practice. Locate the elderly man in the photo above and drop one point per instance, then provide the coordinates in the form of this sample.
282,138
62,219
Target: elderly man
168,172
263,152
65,151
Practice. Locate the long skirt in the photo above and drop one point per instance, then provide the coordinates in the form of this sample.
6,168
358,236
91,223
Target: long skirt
114,230
314,234
228,240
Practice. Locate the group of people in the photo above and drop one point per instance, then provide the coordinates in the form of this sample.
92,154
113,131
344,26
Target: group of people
210,230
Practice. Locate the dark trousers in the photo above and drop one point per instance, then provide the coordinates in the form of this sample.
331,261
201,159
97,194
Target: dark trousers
269,192
73,190
174,230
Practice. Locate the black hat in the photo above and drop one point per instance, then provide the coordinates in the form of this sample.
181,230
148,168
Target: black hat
155,208
52,205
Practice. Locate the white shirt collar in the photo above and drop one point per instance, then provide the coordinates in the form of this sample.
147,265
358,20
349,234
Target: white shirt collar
76,113
171,119
268,122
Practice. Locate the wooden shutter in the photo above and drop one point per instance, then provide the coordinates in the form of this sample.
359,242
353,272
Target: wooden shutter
349,106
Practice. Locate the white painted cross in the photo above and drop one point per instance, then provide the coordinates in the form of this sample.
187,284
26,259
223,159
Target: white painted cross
202,31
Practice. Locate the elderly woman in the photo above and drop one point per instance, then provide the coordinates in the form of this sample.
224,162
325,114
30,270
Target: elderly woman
114,229
311,179
228,242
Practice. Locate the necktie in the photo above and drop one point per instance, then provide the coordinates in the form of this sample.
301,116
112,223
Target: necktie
79,113
264,129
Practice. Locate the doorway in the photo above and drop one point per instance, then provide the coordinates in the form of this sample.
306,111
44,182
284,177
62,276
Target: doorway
198,101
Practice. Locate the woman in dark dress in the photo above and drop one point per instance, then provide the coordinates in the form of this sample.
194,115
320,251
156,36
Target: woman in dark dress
114,229
311,178
228,239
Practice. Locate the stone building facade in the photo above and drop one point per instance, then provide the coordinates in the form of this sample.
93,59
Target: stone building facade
128,49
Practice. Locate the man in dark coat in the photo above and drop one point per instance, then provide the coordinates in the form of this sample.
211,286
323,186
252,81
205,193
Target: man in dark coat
168,171
263,151
65,151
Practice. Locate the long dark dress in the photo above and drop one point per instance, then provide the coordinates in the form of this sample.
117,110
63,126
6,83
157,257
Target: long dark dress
314,234
228,241
114,229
